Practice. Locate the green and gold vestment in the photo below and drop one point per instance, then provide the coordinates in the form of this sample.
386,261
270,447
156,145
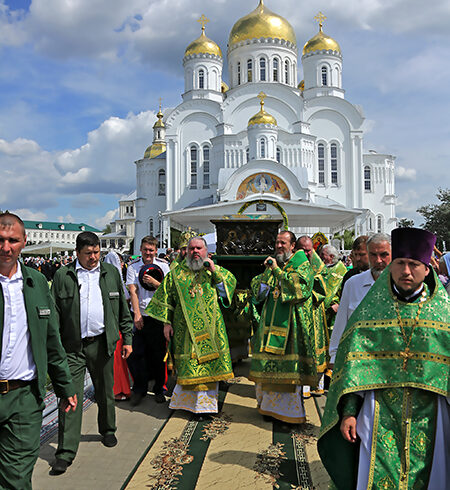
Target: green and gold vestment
189,301
319,296
333,284
372,355
283,347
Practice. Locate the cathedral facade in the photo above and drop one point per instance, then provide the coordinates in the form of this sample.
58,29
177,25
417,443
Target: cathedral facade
266,142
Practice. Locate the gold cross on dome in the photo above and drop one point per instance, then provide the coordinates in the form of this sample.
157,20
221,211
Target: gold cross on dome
261,96
320,18
203,21
160,100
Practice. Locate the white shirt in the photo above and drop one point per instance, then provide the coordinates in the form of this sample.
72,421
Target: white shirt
133,278
92,320
354,291
17,358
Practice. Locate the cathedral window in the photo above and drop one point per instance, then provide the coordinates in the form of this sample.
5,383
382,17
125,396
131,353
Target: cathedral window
379,224
275,69
278,154
194,162
206,167
324,76
161,182
334,163
249,70
239,73
247,154
201,79
262,148
262,70
321,163
367,179
286,72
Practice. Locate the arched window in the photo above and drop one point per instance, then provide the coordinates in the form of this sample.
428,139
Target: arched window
194,164
205,167
249,70
262,147
370,223
278,154
276,67
286,72
247,154
321,163
262,69
201,79
324,76
150,226
161,183
334,163
367,179
239,73
379,224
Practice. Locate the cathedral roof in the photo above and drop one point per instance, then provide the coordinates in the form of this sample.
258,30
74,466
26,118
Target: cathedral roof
262,117
321,41
155,150
203,45
261,23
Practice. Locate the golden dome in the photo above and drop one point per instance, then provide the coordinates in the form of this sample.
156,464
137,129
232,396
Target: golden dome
203,45
262,117
154,150
321,41
224,87
261,23
159,123
301,85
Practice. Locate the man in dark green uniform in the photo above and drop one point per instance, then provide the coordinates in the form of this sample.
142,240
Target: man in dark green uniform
30,347
92,309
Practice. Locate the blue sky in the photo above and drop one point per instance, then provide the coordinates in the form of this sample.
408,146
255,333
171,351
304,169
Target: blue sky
80,82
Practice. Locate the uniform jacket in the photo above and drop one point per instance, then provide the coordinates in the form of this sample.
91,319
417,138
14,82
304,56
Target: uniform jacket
42,319
66,292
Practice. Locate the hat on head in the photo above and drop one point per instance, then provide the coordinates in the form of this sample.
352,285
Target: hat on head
186,236
412,243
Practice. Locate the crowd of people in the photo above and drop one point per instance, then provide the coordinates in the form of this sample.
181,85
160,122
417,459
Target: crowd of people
379,330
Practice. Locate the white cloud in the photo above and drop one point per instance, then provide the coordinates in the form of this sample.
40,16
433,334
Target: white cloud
26,214
18,147
403,173
109,216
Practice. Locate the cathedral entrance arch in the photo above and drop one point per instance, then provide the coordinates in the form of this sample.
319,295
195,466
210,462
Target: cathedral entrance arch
275,204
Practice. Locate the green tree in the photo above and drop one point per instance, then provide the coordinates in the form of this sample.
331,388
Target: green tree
347,236
405,223
437,217
106,229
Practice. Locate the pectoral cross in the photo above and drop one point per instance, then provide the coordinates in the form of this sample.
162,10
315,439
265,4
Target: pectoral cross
406,354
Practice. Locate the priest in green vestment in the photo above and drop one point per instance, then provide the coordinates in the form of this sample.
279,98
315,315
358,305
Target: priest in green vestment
387,419
283,346
319,295
336,271
187,302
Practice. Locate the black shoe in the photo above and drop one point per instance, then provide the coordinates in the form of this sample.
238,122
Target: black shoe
109,440
60,466
136,398
160,398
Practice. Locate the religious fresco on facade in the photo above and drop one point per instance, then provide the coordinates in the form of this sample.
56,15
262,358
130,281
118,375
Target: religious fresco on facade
263,183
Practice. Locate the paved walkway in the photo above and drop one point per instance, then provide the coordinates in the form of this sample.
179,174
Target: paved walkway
231,452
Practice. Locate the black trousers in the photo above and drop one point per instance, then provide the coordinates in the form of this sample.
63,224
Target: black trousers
147,360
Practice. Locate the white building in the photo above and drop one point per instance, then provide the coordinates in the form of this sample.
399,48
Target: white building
40,232
267,141
122,229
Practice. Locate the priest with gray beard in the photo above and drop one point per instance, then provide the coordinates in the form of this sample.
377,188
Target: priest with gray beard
187,302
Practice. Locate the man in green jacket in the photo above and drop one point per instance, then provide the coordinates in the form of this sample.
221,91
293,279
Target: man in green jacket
92,309
29,348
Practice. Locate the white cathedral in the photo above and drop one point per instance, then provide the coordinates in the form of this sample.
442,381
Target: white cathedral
267,143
